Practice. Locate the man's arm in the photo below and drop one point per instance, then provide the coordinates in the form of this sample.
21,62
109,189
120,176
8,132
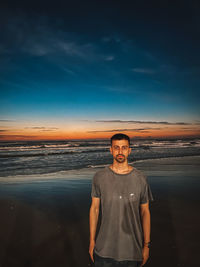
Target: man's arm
146,225
94,215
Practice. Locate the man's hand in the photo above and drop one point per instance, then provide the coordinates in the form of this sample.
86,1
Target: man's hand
91,250
145,253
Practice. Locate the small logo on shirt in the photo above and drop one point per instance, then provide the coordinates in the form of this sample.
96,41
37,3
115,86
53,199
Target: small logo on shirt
132,195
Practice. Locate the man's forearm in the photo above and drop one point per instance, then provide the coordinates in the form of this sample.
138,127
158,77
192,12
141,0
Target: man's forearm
146,224
94,214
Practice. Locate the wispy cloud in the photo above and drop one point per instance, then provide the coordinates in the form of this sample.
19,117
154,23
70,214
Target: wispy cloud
14,136
144,122
47,130
37,49
109,58
7,120
197,122
122,130
37,37
42,128
53,45
187,129
68,71
165,70
144,70
34,127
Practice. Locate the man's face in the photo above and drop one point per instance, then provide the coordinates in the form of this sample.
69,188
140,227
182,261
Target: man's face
120,150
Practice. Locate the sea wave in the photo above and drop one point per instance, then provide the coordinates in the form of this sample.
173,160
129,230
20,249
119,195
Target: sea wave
49,153
87,172
61,156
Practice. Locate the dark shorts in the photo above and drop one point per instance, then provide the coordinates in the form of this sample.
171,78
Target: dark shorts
108,262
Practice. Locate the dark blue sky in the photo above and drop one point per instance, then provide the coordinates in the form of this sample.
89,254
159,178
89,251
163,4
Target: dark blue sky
98,60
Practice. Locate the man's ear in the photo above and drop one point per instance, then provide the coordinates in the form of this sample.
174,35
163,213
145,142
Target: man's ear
129,150
110,149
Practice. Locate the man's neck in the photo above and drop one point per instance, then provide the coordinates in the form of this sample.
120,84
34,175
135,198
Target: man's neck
121,167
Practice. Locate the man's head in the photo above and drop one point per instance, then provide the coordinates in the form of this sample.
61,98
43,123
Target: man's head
120,147
120,136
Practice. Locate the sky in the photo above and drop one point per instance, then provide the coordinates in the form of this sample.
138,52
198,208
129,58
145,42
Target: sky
89,69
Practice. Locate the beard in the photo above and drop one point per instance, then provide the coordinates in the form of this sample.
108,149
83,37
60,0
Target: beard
120,159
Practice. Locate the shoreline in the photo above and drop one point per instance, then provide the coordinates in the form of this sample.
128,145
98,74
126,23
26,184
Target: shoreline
86,172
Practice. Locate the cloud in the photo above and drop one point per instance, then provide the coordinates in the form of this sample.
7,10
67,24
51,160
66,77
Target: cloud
37,36
197,122
43,129
109,58
17,136
144,122
55,45
144,130
37,127
34,127
71,46
68,71
167,70
186,129
37,49
144,70
120,130
47,130
6,120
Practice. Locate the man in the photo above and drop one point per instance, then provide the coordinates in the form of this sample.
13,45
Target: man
124,194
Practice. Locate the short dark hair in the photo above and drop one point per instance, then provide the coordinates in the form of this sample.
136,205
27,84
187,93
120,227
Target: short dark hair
120,136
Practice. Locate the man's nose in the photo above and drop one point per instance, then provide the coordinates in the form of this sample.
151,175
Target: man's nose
120,150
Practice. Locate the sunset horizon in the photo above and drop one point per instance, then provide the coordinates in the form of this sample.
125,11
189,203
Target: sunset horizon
143,130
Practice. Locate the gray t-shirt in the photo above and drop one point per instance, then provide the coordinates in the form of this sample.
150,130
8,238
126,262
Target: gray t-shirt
120,235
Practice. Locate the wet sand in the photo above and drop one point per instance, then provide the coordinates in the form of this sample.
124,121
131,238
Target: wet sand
45,222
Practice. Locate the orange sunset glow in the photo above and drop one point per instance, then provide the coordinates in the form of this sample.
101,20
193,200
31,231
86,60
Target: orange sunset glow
102,130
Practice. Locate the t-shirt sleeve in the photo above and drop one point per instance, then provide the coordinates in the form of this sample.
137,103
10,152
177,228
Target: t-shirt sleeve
95,187
146,194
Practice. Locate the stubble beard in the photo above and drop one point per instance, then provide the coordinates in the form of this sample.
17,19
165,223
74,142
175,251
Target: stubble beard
120,160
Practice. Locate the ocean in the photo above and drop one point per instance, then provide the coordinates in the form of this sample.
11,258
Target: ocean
48,157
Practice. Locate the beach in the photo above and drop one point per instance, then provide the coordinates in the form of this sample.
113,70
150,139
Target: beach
45,221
